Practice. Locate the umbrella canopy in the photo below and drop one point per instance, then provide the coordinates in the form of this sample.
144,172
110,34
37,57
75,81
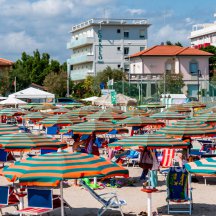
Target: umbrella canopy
25,141
36,116
167,115
207,118
121,100
44,107
12,101
91,108
8,129
115,110
133,113
90,99
93,126
194,104
59,111
188,128
139,121
80,112
150,141
60,120
205,166
50,169
104,115
179,108
152,106
11,112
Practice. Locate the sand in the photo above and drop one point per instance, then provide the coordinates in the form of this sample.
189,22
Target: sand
83,204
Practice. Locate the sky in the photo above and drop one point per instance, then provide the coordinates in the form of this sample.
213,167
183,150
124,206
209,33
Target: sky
27,25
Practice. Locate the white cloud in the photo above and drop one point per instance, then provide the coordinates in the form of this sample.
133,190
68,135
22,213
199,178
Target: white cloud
136,11
169,33
17,42
95,2
189,21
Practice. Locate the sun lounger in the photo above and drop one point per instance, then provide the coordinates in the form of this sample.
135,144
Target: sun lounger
108,200
8,197
40,201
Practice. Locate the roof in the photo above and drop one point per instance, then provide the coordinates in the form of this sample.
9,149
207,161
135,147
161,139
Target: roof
32,93
12,100
169,50
5,62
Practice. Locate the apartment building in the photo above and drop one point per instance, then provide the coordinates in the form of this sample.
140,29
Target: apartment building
98,43
203,35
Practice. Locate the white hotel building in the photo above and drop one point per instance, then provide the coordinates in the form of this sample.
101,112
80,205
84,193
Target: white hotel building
203,35
98,43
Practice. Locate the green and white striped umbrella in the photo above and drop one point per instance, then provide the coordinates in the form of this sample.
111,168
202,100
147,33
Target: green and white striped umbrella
36,116
104,116
188,128
167,115
8,129
93,126
133,113
139,121
205,166
207,118
179,109
26,142
60,120
150,141
11,112
79,112
194,104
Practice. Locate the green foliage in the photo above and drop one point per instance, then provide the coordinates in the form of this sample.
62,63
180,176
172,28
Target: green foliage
4,81
171,44
173,84
56,83
33,69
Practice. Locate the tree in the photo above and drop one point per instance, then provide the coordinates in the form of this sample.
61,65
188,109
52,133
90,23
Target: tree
56,83
173,83
4,81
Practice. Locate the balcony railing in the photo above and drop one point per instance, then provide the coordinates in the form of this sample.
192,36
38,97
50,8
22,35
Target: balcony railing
80,74
81,59
138,77
82,41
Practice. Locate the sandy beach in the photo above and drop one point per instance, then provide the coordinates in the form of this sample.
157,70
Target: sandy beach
83,204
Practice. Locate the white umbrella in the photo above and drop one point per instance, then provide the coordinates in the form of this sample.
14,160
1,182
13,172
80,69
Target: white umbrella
12,101
90,99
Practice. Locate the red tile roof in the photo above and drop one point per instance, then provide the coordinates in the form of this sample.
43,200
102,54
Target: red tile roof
169,50
5,62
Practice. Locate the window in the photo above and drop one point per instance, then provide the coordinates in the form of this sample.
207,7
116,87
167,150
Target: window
126,34
126,50
119,48
193,68
118,31
142,33
142,48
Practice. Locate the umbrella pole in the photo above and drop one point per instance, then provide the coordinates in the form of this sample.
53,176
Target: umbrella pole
62,200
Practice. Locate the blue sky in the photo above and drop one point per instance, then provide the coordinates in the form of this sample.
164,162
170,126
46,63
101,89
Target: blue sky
26,25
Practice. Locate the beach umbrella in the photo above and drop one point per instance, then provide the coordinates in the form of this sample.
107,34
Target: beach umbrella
61,110
51,169
133,113
179,109
204,166
11,112
12,101
152,106
188,128
209,118
194,104
150,141
8,129
139,121
80,112
62,120
103,116
167,115
115,110
25,142
36,116
44,107
93,126
91,108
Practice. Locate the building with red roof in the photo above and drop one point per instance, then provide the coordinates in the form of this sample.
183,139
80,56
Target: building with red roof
5,64
148,67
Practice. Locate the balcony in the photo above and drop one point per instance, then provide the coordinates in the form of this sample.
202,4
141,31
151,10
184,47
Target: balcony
80,74
144,77
81,59
83,41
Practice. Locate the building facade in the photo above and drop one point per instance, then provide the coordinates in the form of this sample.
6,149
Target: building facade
203,35
5,64
98,43
149,66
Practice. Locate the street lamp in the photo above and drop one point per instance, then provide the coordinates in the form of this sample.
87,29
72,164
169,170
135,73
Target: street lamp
198,83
